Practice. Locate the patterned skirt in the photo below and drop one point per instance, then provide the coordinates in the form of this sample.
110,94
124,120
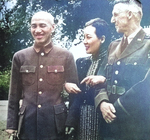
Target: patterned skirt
88,123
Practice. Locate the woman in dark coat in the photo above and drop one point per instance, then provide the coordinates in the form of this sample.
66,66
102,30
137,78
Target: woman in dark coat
82,116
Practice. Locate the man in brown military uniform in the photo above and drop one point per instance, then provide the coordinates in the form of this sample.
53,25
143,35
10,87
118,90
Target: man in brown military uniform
38,75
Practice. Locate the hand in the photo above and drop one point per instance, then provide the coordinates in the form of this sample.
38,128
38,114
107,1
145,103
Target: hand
108,111
10,131
69,130
72,88
93,80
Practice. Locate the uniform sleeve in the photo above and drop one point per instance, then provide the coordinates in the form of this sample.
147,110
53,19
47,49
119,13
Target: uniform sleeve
101,96
101,93
136,101
71,70
14,95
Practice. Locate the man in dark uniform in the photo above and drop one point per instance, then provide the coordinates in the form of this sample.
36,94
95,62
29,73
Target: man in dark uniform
128,61
38,76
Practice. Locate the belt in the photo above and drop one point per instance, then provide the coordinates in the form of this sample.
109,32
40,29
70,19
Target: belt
115,90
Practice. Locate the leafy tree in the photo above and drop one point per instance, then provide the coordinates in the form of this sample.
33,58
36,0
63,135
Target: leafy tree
14,31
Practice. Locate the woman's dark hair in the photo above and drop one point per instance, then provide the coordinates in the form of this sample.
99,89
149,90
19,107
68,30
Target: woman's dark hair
102,28
100,25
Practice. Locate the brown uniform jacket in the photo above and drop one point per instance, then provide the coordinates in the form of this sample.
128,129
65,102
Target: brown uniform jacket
37,79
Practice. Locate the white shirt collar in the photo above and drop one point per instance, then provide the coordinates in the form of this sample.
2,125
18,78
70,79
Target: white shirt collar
130,37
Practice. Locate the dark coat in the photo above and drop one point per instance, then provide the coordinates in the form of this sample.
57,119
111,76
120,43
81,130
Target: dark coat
37,79
87,95
122,73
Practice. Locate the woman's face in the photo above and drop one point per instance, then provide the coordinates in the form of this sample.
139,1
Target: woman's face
91,41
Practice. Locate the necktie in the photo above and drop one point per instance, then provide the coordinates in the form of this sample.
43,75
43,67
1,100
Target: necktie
124,44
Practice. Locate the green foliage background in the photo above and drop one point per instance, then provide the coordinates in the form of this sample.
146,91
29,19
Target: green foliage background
4,83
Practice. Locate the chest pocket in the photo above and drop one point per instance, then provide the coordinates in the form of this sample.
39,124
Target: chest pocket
55,75
28,75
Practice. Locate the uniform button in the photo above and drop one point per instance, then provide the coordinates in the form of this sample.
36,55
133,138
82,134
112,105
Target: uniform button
40,92
139,39
27,71
118,63
40,79
116,72
39,106
42,54
115,81
55,71
135,63
41,66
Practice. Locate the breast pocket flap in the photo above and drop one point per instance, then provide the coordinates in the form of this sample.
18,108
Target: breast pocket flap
27,69
56,69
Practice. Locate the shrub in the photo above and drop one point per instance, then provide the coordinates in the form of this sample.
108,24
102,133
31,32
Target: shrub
4,84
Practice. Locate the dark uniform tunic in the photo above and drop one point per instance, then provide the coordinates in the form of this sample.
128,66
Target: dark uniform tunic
122,73
38,78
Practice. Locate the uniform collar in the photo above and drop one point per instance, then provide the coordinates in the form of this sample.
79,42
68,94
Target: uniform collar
130,37
45,49
136,44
